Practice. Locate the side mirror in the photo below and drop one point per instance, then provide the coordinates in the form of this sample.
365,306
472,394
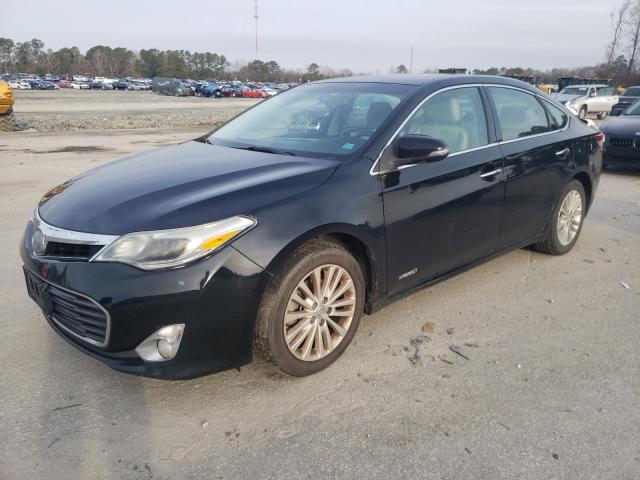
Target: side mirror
419,148
592,94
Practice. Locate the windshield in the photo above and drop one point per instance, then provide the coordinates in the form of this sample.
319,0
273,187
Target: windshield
321,119
634,109
575,90
632,92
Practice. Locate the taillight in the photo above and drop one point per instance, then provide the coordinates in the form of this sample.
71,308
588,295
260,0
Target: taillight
600,139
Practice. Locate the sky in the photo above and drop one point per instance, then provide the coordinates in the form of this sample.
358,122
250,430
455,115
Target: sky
366,36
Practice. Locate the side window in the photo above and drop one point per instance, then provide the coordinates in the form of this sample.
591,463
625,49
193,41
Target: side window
519,113
559,118
455,116
604,92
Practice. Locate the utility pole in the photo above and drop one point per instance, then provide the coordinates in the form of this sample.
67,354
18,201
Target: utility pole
411,61
255,15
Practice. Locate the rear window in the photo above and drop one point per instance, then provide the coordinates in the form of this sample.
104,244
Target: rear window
559,118
632,92
520,114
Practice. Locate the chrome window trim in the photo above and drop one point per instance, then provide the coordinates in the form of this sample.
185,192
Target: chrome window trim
55,234
374,172
107,332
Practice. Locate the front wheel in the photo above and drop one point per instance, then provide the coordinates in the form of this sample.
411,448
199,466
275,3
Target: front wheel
583,112
311,309
566,222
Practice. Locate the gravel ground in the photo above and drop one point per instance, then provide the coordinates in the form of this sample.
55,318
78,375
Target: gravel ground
548,388
66,109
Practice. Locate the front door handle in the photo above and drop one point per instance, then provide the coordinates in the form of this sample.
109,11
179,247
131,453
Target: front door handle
563,154
489,175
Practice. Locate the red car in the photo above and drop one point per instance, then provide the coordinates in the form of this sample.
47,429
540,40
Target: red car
254,93
64,84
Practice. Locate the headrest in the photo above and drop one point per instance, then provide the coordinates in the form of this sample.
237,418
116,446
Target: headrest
378,112
444,110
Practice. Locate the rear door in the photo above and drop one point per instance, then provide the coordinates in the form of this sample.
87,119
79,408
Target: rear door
443,214
536,153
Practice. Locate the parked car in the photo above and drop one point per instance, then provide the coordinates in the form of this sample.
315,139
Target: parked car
136,86
232,90
622,133
587,99
120,85
254,93
80,78
276,231
63,84
630,95
269,91
20,85
7,119
211,90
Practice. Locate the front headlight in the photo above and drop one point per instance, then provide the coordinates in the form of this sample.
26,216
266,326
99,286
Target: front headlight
173,248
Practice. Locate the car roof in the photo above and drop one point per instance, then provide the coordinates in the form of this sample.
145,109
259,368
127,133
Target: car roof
429,79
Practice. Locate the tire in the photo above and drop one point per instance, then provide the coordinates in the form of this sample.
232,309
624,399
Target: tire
7,122
555,242
271,328
583,112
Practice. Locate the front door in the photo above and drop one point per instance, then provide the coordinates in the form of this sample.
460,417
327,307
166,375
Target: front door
444,214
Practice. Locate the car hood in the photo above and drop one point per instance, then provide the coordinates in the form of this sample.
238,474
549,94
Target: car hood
622,125
564,97
187,184
624,99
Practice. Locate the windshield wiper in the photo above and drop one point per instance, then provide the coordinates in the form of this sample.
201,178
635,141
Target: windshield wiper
255,148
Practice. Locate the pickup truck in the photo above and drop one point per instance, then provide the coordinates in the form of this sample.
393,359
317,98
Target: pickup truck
7,121
586,99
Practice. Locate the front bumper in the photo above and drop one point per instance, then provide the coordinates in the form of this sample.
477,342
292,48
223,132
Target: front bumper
217,298
622,156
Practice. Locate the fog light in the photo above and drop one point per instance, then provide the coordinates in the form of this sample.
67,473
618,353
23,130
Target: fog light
161,345
165,349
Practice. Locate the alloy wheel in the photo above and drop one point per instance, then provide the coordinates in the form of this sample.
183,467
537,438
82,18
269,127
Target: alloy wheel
319,312
569,217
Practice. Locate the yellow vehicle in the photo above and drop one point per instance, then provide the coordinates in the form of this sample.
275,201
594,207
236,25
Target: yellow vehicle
7,120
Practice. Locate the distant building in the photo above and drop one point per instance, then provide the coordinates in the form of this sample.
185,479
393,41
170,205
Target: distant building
459,71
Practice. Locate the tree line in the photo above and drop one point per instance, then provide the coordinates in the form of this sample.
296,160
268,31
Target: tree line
101,60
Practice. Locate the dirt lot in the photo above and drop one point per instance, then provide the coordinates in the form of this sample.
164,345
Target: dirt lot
549,388
67,109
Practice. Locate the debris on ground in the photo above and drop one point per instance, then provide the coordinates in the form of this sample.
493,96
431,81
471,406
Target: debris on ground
429,327
472,345
204,424
455,349
625,285
450,330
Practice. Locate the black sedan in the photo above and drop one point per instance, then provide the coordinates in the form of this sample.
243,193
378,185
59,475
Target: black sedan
276,232
630,96
622,133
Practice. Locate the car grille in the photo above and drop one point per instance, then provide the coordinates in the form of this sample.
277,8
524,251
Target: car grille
77,251
79,315
623,142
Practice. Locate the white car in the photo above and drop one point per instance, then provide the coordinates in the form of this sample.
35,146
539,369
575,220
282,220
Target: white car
79,85
80,78
19,85
586,99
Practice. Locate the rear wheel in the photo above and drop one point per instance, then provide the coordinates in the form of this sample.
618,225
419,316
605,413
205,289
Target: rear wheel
566,223
311,309
7,122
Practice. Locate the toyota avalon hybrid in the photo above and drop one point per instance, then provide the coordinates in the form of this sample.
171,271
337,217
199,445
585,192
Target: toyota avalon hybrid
276,232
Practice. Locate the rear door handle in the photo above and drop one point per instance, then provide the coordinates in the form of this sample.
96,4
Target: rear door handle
488,175
562,154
